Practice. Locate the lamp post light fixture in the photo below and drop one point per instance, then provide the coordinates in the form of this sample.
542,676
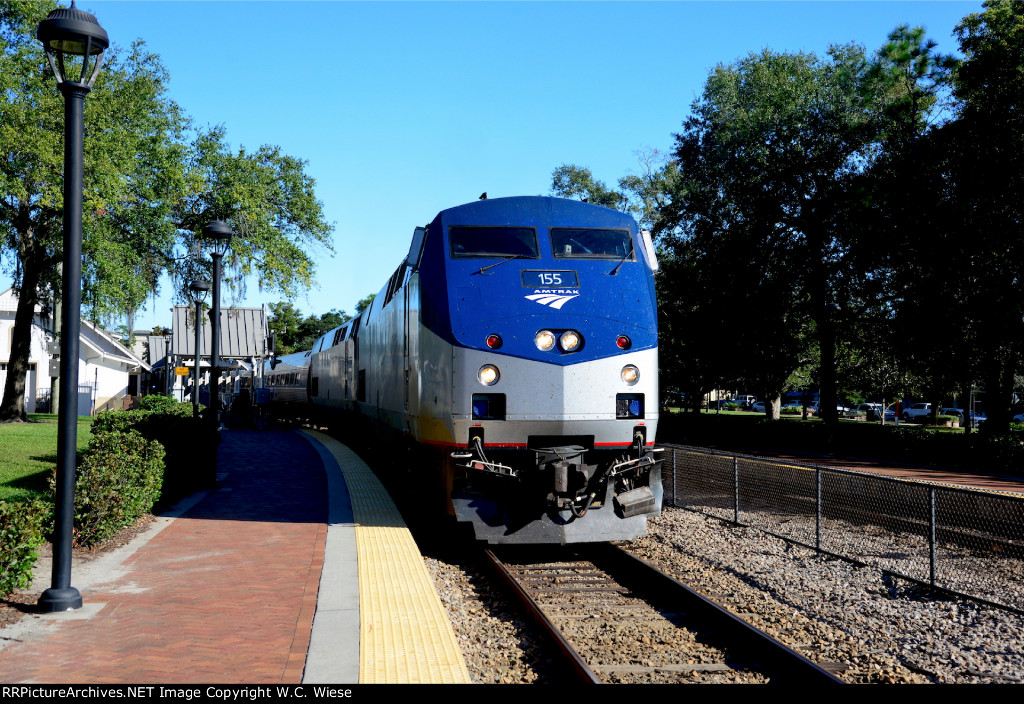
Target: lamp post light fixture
197,292
68,36
219,232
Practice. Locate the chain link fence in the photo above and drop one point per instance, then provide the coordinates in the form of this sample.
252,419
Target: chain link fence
969,542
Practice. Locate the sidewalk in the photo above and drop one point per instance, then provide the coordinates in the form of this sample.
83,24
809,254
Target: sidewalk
224,593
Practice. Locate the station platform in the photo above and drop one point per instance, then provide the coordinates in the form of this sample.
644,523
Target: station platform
298,569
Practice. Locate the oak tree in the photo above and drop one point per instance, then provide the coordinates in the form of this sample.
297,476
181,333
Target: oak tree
150,185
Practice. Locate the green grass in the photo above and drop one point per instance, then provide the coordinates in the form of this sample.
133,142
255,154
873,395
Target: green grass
28,453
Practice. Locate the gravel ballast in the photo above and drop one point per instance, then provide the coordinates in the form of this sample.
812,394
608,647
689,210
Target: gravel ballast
867,626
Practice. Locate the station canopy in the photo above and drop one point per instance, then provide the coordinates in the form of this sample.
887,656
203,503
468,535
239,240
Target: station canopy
243,333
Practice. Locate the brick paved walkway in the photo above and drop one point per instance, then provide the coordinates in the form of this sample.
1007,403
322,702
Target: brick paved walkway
226,593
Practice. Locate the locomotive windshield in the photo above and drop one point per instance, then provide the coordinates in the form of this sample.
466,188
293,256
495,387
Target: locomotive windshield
492,242
586,243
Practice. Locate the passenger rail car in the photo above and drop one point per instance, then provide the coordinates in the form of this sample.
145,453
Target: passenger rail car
286,384
518,342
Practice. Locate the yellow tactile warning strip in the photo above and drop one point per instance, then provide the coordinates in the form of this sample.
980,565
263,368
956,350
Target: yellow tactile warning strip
404,634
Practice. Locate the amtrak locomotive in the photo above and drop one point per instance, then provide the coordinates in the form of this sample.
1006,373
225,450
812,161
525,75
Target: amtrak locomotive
515,348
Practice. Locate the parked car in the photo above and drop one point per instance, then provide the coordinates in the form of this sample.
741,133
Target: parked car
872,411
916,410
978,418
868,409
840,408
758,407
796,408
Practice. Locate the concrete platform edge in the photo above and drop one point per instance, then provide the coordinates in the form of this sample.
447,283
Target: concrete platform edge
333,655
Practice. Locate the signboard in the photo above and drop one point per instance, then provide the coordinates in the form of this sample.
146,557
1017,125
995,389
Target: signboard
181,371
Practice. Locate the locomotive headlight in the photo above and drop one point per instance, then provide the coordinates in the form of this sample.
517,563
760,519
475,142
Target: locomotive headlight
570,340
545,340
488,375
630,374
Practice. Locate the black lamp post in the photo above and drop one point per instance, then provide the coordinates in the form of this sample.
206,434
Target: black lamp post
197,292
69,36
220,233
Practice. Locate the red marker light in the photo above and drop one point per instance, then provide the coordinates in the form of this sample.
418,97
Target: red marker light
623,342
494,341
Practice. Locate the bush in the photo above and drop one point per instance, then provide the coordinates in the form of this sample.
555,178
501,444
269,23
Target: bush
119,421
190,445
163,404
119,479
21,532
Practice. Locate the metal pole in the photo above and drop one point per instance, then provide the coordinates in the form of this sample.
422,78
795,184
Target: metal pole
61,596
736,490
817,510
932,537
215,343
55,381
195,373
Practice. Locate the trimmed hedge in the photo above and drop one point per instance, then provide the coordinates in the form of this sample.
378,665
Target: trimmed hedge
165,405
21,532
121,475
190,444
119,479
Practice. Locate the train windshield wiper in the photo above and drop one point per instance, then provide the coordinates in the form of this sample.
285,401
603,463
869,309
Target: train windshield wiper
485,268
615,271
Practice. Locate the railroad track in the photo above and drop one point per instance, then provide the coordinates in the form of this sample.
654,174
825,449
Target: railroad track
617,619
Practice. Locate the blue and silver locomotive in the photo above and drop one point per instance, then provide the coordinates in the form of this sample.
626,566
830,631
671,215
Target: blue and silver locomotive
517,347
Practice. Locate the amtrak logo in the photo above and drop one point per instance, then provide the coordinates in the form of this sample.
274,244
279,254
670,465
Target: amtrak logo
553,298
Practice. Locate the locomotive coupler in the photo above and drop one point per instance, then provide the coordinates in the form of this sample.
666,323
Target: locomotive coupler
565,462
562,462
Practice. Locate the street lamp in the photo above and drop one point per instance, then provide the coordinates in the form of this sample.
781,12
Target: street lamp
69,35
197,292
219,232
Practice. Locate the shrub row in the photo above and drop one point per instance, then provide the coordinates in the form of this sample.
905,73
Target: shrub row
975,452
190,445
119,479
21,532
135,459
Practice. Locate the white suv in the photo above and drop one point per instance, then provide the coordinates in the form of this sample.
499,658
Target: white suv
917,409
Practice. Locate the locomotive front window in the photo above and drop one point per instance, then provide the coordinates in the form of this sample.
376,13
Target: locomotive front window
493,242
588,243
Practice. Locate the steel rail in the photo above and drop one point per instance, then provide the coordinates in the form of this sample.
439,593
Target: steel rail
785,664
578,666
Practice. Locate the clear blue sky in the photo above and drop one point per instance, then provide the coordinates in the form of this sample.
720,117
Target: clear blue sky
402,109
